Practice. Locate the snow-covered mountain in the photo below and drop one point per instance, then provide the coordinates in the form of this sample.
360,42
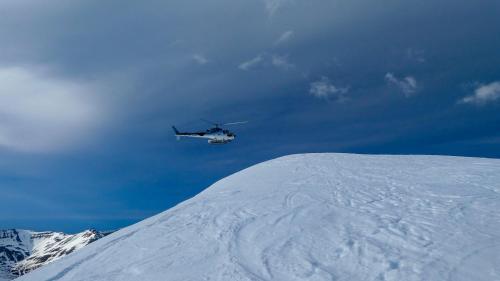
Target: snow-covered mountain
314,217
22,251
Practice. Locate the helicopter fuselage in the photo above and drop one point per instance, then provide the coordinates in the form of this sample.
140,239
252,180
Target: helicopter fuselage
214,135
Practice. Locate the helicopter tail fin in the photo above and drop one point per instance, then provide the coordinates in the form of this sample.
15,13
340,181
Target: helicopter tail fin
177,133
175,130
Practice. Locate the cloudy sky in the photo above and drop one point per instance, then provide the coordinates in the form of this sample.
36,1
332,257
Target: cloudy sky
89,90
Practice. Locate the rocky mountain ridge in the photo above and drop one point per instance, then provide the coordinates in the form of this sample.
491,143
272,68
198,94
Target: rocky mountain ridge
22,251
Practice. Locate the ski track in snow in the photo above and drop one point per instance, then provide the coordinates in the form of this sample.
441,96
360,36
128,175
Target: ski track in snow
315,217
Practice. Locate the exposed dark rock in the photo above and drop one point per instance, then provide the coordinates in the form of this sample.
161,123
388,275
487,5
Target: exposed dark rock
22,251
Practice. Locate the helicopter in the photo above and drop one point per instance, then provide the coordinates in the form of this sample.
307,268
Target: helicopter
215,135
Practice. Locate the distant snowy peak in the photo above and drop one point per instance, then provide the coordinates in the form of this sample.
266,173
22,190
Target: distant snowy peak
22,251
50,246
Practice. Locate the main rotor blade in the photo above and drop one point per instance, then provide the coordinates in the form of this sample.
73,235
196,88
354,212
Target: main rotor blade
234,123
210,122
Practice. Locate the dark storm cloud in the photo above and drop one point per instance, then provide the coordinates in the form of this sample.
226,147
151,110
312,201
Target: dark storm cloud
117,74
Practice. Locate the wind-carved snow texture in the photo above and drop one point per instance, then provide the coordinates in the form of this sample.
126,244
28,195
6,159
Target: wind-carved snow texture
315,217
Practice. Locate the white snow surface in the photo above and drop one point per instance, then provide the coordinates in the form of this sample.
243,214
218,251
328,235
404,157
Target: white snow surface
314,217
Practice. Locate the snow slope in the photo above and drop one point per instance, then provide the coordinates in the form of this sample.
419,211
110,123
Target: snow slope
314,217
